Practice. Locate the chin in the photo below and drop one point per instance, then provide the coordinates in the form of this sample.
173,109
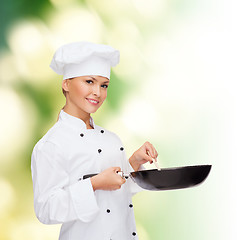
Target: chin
92,111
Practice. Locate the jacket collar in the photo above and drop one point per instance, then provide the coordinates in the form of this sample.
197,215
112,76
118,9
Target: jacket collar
74,122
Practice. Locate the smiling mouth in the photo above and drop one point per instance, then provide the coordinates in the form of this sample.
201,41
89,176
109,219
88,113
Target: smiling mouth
92,101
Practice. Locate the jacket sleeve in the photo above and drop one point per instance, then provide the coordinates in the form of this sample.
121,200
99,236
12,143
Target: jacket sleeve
55,201
134,188
127,168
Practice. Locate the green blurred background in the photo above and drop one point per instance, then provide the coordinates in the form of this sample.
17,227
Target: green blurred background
175,87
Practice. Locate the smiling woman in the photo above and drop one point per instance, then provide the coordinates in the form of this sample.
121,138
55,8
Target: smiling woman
99,207
84,94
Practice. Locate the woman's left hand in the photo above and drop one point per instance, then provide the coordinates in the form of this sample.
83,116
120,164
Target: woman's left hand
146,153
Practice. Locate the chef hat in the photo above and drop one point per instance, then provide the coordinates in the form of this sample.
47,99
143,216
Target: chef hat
84,58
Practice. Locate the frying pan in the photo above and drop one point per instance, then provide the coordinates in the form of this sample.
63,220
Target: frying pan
168,178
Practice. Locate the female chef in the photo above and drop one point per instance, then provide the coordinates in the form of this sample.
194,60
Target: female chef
99,207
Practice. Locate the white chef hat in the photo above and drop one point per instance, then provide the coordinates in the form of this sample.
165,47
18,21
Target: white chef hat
84,58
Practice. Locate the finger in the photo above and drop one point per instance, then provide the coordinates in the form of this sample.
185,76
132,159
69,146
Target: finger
147,158
151,149
117,187
123,181
156,155
120,181
117,169
153,158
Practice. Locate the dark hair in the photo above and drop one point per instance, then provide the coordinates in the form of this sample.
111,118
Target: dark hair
64,92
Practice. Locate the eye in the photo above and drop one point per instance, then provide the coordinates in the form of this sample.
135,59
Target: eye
104,86
89,81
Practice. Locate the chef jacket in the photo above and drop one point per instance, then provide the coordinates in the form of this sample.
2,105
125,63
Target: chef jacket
59,160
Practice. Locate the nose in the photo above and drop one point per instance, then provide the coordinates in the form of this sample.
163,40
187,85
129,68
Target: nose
96,90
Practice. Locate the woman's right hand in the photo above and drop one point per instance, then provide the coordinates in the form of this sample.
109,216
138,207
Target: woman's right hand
109,179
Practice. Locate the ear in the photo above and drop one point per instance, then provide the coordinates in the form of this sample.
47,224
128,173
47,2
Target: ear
65,85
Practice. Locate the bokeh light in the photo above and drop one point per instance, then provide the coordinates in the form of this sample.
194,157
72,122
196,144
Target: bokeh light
175,86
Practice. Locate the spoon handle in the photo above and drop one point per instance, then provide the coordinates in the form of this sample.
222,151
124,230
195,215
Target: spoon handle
155,162
157,166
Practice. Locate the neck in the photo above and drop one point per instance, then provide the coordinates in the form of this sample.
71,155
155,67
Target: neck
79,114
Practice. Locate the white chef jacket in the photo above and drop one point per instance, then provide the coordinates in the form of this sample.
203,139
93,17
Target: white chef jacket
59,160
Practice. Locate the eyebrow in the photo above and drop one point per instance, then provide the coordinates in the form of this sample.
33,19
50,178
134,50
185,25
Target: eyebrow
97,80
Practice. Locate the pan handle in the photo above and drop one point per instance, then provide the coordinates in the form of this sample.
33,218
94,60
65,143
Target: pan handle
94,174
89,175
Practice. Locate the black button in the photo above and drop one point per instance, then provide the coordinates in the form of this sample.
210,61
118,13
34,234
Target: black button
82,135
134,234
102,131
130,205
99,150
108,211
121,148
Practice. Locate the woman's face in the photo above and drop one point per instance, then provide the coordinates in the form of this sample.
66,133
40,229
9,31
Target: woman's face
86,93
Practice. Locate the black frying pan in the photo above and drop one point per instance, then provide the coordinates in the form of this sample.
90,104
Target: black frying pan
171,178
168,178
